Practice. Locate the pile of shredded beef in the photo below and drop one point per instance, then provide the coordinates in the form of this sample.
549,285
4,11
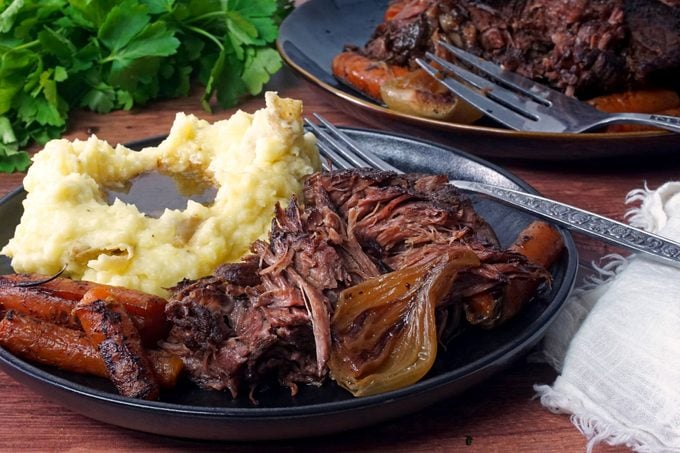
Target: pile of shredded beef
267,318
582,47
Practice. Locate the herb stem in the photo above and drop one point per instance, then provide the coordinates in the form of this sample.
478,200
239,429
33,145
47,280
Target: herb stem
208,35
26,45
209,15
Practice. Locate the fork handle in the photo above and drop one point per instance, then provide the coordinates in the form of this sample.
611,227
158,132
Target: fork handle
651,245
671,123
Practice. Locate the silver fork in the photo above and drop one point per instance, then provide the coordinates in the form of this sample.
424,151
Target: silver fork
344,153
523,105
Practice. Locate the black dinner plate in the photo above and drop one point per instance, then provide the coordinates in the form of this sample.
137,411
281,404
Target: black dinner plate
187,411
318,30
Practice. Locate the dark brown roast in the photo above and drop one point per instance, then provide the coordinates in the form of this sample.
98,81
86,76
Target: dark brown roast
582,47
268,317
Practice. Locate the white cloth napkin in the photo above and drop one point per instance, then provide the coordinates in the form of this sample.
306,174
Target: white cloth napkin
617,343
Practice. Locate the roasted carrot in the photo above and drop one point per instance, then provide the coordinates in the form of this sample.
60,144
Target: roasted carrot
364,74
641,127
405,9
147,311
53,300
542,245
394,8
113,334
638,101
70,350
41,304
49,344
65,288
167,367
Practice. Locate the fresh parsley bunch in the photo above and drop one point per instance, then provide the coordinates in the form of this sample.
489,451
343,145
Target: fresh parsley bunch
103,55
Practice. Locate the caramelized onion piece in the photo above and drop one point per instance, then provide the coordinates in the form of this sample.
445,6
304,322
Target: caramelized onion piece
417,93
384,330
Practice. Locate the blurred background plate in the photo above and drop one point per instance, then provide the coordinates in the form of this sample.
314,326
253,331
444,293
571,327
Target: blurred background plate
318,30
187,411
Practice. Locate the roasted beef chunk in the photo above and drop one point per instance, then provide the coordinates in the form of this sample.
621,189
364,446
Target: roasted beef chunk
401,219
268,317
582,47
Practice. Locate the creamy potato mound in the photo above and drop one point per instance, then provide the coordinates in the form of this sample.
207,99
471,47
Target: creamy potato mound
254,161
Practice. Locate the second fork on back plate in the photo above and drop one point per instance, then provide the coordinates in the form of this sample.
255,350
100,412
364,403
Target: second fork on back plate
522,104
343,153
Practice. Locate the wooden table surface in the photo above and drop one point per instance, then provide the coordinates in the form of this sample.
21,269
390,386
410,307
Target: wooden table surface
498,415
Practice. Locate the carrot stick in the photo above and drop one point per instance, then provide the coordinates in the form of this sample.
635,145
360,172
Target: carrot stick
54,300
65,288
70,350
542,245
147,311
113,334
638,101
49,344
41,304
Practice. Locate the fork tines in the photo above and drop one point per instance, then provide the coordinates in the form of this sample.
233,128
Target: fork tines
513,101
341,150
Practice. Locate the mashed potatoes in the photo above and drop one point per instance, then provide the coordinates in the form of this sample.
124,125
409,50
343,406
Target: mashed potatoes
254,161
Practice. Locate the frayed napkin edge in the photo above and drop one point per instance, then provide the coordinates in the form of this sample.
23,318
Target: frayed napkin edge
593,428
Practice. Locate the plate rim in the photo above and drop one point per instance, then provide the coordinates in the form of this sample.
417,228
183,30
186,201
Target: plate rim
534,329
438,124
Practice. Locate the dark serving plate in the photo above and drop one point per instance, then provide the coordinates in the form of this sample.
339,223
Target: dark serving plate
318,30
187,411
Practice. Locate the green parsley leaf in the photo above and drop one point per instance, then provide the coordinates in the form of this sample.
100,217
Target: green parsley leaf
122,24
103,55
259,66
11,159
100,98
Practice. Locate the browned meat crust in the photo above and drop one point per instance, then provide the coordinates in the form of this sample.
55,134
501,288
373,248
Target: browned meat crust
582,47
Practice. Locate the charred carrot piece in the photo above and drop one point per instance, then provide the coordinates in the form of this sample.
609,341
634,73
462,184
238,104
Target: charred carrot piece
70,350
113,334
364,74
53,300
147,310
542,245
638,101
136,302
49,344
41,304
65,288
